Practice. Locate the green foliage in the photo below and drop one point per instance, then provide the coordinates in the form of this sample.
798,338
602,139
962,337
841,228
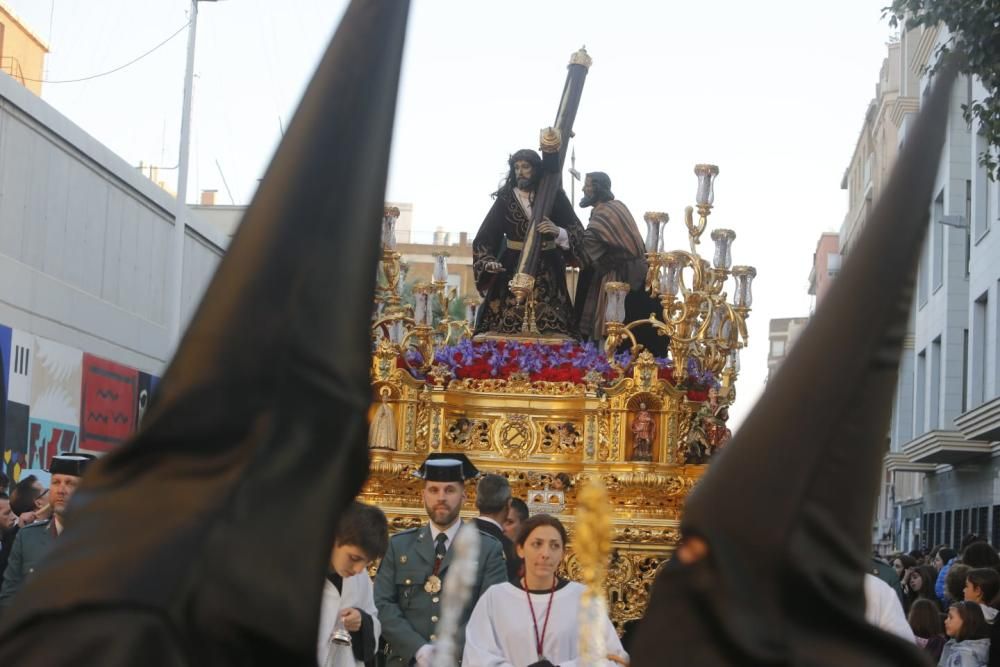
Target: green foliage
975,37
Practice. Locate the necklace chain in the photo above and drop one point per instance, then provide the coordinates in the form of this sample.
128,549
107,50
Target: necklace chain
540,641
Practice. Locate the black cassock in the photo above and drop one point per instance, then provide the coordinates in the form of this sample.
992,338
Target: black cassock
500,238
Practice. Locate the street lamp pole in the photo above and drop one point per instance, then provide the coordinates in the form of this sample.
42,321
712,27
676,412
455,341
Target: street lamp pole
181,212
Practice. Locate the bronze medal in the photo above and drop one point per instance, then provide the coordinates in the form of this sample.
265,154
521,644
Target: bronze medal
433,584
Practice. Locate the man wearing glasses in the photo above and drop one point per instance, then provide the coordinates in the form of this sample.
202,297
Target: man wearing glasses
34,541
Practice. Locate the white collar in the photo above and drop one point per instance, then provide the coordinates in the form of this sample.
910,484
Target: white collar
493,521
450,533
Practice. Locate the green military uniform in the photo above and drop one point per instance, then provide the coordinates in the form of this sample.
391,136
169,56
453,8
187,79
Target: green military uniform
407,611
30,546
33,542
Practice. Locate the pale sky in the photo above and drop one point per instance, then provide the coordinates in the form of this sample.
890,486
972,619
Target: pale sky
773,92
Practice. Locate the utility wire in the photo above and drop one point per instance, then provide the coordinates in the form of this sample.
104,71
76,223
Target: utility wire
117,69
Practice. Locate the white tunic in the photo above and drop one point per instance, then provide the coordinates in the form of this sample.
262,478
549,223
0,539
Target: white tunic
358,593
884,610
500,632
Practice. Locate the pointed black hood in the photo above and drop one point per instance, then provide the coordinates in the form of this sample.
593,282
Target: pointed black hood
205,539
786,509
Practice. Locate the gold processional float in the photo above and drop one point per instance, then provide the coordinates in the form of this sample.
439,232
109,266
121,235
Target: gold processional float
540,412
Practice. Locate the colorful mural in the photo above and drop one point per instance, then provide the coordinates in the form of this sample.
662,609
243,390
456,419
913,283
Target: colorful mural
109,401
56,399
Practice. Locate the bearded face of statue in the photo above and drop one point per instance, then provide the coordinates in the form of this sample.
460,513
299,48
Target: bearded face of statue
588,193
524,172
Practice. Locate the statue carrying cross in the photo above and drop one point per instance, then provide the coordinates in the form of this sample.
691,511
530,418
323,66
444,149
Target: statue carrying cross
522,247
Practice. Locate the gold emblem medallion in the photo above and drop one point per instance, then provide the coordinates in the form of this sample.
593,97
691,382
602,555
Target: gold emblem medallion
433,584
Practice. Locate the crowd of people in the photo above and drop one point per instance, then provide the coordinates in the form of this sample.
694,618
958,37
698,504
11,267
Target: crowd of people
521,611
391,619
944,600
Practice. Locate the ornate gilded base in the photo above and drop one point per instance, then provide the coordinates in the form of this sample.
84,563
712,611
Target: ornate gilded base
530,432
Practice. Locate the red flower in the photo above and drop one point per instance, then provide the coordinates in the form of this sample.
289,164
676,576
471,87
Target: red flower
697,395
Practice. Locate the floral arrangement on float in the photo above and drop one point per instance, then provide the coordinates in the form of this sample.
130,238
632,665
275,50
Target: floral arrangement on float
540,362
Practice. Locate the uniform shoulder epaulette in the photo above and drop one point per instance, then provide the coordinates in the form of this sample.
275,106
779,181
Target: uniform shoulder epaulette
37,524
404,532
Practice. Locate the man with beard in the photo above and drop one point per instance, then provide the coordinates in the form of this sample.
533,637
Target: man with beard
613,250
497,249
33,542
410,578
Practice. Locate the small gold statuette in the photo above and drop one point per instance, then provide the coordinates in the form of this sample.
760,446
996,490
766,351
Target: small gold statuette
433,584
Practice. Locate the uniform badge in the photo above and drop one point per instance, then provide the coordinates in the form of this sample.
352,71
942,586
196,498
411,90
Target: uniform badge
433,584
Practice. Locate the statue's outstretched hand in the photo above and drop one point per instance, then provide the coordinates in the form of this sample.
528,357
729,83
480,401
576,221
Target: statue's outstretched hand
493,267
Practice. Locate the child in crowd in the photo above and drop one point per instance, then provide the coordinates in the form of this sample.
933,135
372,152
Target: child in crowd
982,586
928,627
969,644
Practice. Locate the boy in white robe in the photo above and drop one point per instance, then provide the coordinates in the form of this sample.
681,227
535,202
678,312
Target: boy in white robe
348,600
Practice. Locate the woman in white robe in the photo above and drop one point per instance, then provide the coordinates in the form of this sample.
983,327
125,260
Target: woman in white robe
533,623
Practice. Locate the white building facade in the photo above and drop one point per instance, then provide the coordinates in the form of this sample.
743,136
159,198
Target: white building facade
942,471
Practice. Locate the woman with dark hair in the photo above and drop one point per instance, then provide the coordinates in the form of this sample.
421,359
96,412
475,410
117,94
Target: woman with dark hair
928,627
901,563
980,554
920,584
943,556
969,645
533,623
946,557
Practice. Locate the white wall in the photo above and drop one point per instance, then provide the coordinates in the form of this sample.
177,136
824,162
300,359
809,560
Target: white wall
85,240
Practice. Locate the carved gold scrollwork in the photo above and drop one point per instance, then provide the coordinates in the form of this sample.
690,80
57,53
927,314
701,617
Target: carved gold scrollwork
590,448
514,436
469,434
410,427
423,433
560,438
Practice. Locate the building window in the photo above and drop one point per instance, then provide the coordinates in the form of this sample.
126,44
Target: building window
920,396
968,227
977,362
934,410
982,526
922,276
995,535
946,537
938,529
996,357
777,348
937,243
982,216
965,370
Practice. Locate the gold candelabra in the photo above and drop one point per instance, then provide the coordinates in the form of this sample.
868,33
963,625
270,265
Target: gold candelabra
701,323
399,326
